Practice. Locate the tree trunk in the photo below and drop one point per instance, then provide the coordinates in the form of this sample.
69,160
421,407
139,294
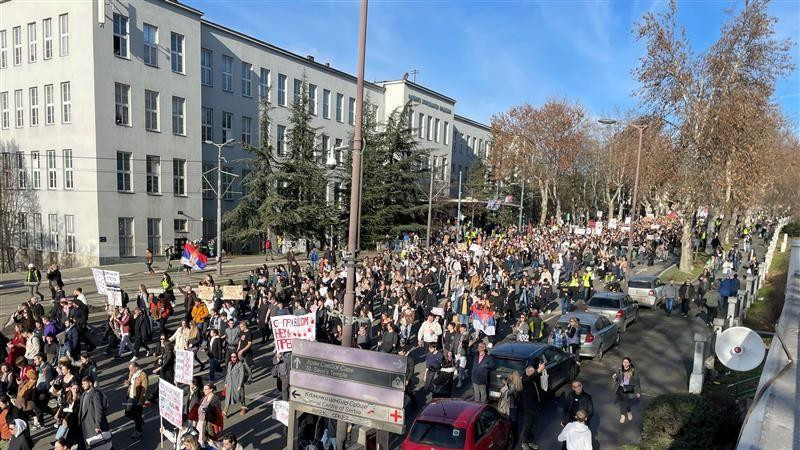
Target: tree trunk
687,261
554,190
544,196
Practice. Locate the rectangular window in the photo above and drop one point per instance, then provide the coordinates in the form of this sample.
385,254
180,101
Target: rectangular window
207,124
179,176
47,34
66,103
125,236
176,51
337,148
312,99
19,120
443,168
298,88
3,49
150,110
247,79
5,114
178,116
339,107
428,127
63,32
36,175
22,171
227,126
325,149
38,234
49,105
227,183
33,104
351,112
6,175
22,223
227,73
150,34
281,141
153,172
124,172
154,234
264,84
122,104
209,171
52,174
52,223
180,225
206,73
69,176
281,89
69,228
120,35
436,130
247,130
446,133
32,42
326,103
421,126
16,35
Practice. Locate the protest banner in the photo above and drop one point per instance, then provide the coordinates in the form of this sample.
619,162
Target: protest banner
288,327
280,411
184,366
437,312
114,297
99,281
233,292
170,402
205,292
112,279
612,224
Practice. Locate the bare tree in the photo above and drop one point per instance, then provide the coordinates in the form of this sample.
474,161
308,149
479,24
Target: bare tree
18,202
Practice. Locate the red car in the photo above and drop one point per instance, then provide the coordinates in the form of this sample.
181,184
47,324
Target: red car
459,424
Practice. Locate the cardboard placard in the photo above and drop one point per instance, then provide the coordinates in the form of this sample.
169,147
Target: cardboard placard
205,292
170,402
233,292
280,411
99,281
184,366
287,327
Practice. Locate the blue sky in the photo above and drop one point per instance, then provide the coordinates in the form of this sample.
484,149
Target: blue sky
490,56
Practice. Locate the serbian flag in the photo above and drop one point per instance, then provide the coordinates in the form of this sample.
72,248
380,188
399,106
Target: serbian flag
192,257
483,319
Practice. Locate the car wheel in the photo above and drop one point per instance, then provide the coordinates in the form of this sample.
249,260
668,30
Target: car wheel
624,326
599,355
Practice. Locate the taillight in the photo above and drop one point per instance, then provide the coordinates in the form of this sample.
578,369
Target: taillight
589,338
652,292
620,314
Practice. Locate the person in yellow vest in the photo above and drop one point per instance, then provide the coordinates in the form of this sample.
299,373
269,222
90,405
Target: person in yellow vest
586,284
574,285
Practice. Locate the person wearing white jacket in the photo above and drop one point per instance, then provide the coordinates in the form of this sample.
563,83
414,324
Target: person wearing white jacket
576,435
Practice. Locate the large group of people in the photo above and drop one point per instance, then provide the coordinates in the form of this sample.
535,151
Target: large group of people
446,305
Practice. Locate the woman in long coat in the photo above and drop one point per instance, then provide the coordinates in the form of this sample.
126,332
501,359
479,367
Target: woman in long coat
237,375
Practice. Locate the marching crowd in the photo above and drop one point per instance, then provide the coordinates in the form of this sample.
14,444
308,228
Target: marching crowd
450,304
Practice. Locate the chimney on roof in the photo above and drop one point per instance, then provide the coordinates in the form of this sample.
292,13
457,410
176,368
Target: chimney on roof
310,58
327,64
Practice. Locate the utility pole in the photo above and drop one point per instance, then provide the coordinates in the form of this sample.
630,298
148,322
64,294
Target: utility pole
458,211
219,200
353,231
521,203
430,202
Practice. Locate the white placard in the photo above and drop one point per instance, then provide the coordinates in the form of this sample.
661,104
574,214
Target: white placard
170,402
99,281
280,411
612,224
184,366
580,231
112,279
114,297
437,312
288,327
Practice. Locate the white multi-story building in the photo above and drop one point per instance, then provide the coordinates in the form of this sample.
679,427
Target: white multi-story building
104,108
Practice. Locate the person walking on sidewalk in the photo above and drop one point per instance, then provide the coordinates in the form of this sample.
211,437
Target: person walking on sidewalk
670,294
712,301
686,293
626,383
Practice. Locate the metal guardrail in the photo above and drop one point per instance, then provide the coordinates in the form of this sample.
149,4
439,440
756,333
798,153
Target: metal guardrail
743,388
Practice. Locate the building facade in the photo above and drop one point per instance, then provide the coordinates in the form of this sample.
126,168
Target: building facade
105,108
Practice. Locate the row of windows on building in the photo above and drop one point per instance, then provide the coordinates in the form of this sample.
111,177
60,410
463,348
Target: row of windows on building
18,175
151,41
152,110
31,233
126,234
47,30
470,144
35,104
332,105
429,127
153,174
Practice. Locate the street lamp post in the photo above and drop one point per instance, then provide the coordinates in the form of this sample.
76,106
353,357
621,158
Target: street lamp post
219,200
634,205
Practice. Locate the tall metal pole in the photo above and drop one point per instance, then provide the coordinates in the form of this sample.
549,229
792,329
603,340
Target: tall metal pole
634,208
521,203
219,208
458,211
430,203
355,207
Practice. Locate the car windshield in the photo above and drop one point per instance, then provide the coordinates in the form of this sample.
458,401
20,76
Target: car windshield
437,435
510,364
603,302
639,284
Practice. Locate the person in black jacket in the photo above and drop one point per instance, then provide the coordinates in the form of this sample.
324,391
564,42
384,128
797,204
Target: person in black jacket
481,366
530,403
433,362
141,333
575,400
389,339
214,350
166,362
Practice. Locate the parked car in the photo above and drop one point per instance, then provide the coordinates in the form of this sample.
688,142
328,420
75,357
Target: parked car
598,334
614,306
516,356
646,290
459,424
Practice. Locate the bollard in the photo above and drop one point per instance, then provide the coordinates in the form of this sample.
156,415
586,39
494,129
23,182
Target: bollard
718,325
744,303
696,379
731,315
785,241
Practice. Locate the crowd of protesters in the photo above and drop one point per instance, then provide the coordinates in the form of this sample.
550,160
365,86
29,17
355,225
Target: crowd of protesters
449,303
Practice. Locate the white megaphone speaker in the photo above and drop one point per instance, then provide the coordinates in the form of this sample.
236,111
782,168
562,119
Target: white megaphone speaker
740,349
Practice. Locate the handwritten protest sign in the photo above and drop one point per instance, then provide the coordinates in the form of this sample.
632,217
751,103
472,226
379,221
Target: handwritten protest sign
170,402
285,328
114,297
184,366
280,411
205,292
233,292
99,281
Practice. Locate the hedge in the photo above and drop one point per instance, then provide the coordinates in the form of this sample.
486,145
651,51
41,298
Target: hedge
680,422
